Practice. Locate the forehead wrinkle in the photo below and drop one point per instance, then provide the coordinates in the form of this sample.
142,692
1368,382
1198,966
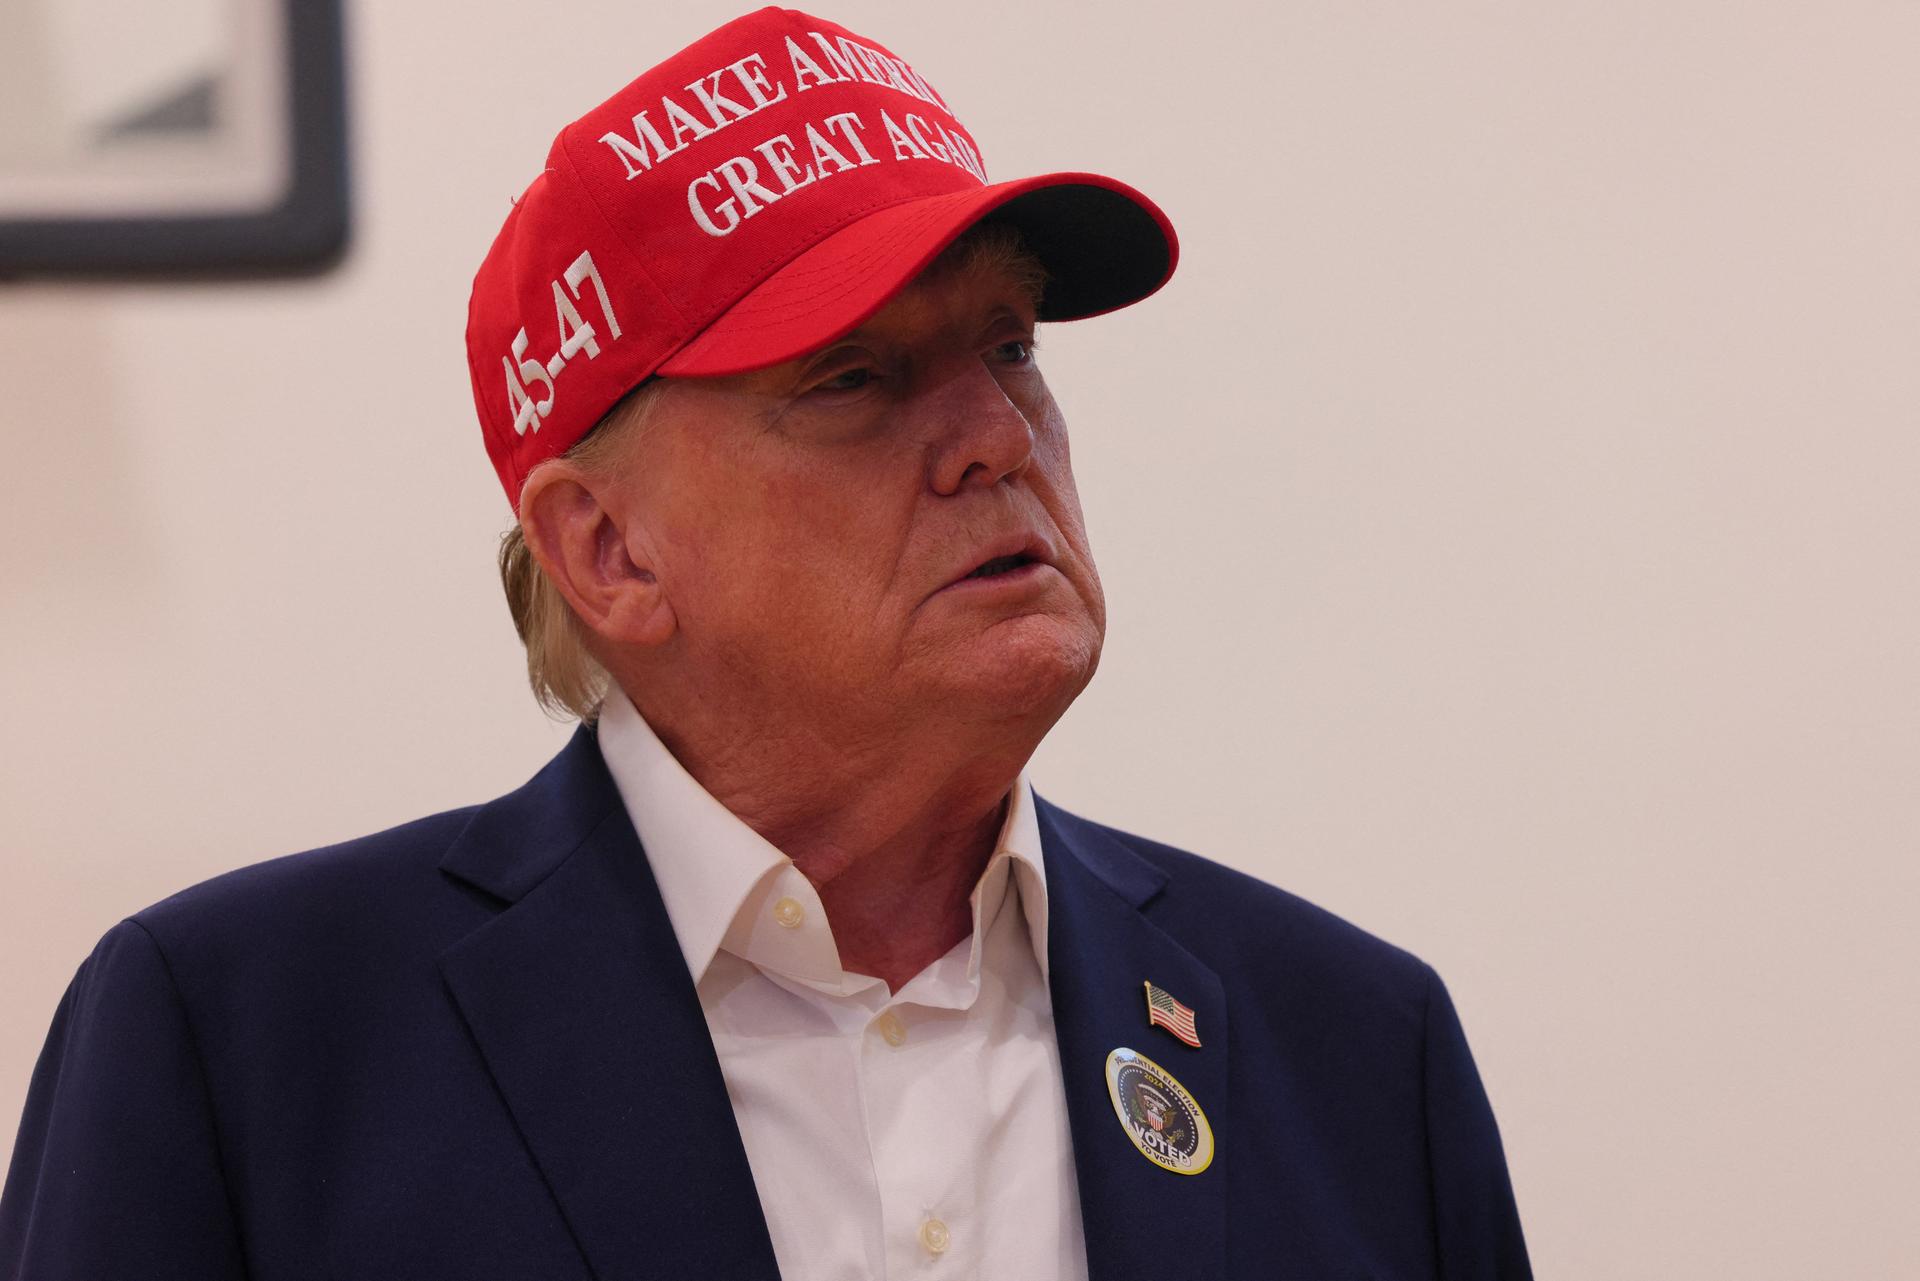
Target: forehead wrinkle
985,294
953,294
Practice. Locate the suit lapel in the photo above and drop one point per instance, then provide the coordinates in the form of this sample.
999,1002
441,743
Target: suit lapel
1141,1221
580,1002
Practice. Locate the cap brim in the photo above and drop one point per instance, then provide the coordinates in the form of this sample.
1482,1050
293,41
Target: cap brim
1103,244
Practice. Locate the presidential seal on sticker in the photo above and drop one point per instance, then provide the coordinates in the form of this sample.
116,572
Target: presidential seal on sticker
1163,1120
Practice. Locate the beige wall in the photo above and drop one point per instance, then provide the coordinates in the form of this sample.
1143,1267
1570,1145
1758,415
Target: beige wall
1508,515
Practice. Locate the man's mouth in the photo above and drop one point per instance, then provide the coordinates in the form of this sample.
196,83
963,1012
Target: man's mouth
1000,565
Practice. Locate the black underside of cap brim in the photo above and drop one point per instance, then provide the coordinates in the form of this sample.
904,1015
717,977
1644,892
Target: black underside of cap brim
1101,250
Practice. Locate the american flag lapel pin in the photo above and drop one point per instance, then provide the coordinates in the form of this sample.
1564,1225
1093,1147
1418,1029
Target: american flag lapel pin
1164,1011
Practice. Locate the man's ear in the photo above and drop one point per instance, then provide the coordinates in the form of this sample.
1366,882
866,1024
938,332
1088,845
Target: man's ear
593,548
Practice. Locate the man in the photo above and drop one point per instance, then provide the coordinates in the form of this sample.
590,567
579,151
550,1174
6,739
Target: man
779,968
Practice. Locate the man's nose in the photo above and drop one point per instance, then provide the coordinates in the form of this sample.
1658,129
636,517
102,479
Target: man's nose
980,436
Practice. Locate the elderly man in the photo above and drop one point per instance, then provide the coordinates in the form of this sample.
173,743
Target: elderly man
779,968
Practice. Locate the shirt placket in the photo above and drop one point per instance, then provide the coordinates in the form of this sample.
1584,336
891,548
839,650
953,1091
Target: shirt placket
925,1202
915,1066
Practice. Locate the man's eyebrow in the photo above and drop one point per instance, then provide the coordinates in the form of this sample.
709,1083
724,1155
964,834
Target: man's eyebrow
1012,294
1015,311
1010,303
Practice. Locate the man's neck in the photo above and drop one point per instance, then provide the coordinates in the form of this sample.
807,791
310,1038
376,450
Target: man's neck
893,834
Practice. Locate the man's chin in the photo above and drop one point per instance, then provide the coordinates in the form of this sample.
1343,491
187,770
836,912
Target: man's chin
1030,667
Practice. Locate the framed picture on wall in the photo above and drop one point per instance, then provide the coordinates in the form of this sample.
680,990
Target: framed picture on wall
184,138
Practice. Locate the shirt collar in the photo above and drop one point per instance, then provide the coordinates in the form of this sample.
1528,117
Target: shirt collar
721,881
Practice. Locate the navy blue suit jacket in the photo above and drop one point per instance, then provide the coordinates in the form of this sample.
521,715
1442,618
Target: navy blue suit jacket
469,1048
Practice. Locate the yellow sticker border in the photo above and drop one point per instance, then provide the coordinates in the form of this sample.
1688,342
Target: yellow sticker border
1123,1054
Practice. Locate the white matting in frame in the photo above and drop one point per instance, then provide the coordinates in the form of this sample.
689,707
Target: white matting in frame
189,135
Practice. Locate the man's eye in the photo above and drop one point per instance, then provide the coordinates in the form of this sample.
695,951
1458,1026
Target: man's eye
1017,352
847,380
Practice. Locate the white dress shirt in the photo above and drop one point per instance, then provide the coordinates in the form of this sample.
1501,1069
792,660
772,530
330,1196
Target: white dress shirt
922,1134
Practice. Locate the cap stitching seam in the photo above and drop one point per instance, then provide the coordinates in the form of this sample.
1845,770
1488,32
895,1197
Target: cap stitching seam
926,216
757,279
813,303
593,199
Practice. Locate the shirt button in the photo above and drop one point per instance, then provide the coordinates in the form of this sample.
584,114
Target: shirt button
788,913
933,1235
891,1028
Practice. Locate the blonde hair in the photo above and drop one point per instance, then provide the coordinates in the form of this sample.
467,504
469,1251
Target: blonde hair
567,680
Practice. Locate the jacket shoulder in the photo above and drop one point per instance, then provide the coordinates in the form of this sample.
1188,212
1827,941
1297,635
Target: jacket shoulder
366,911
382,879
1242,925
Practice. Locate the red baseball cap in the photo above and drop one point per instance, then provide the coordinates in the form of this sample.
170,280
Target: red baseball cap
751,199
